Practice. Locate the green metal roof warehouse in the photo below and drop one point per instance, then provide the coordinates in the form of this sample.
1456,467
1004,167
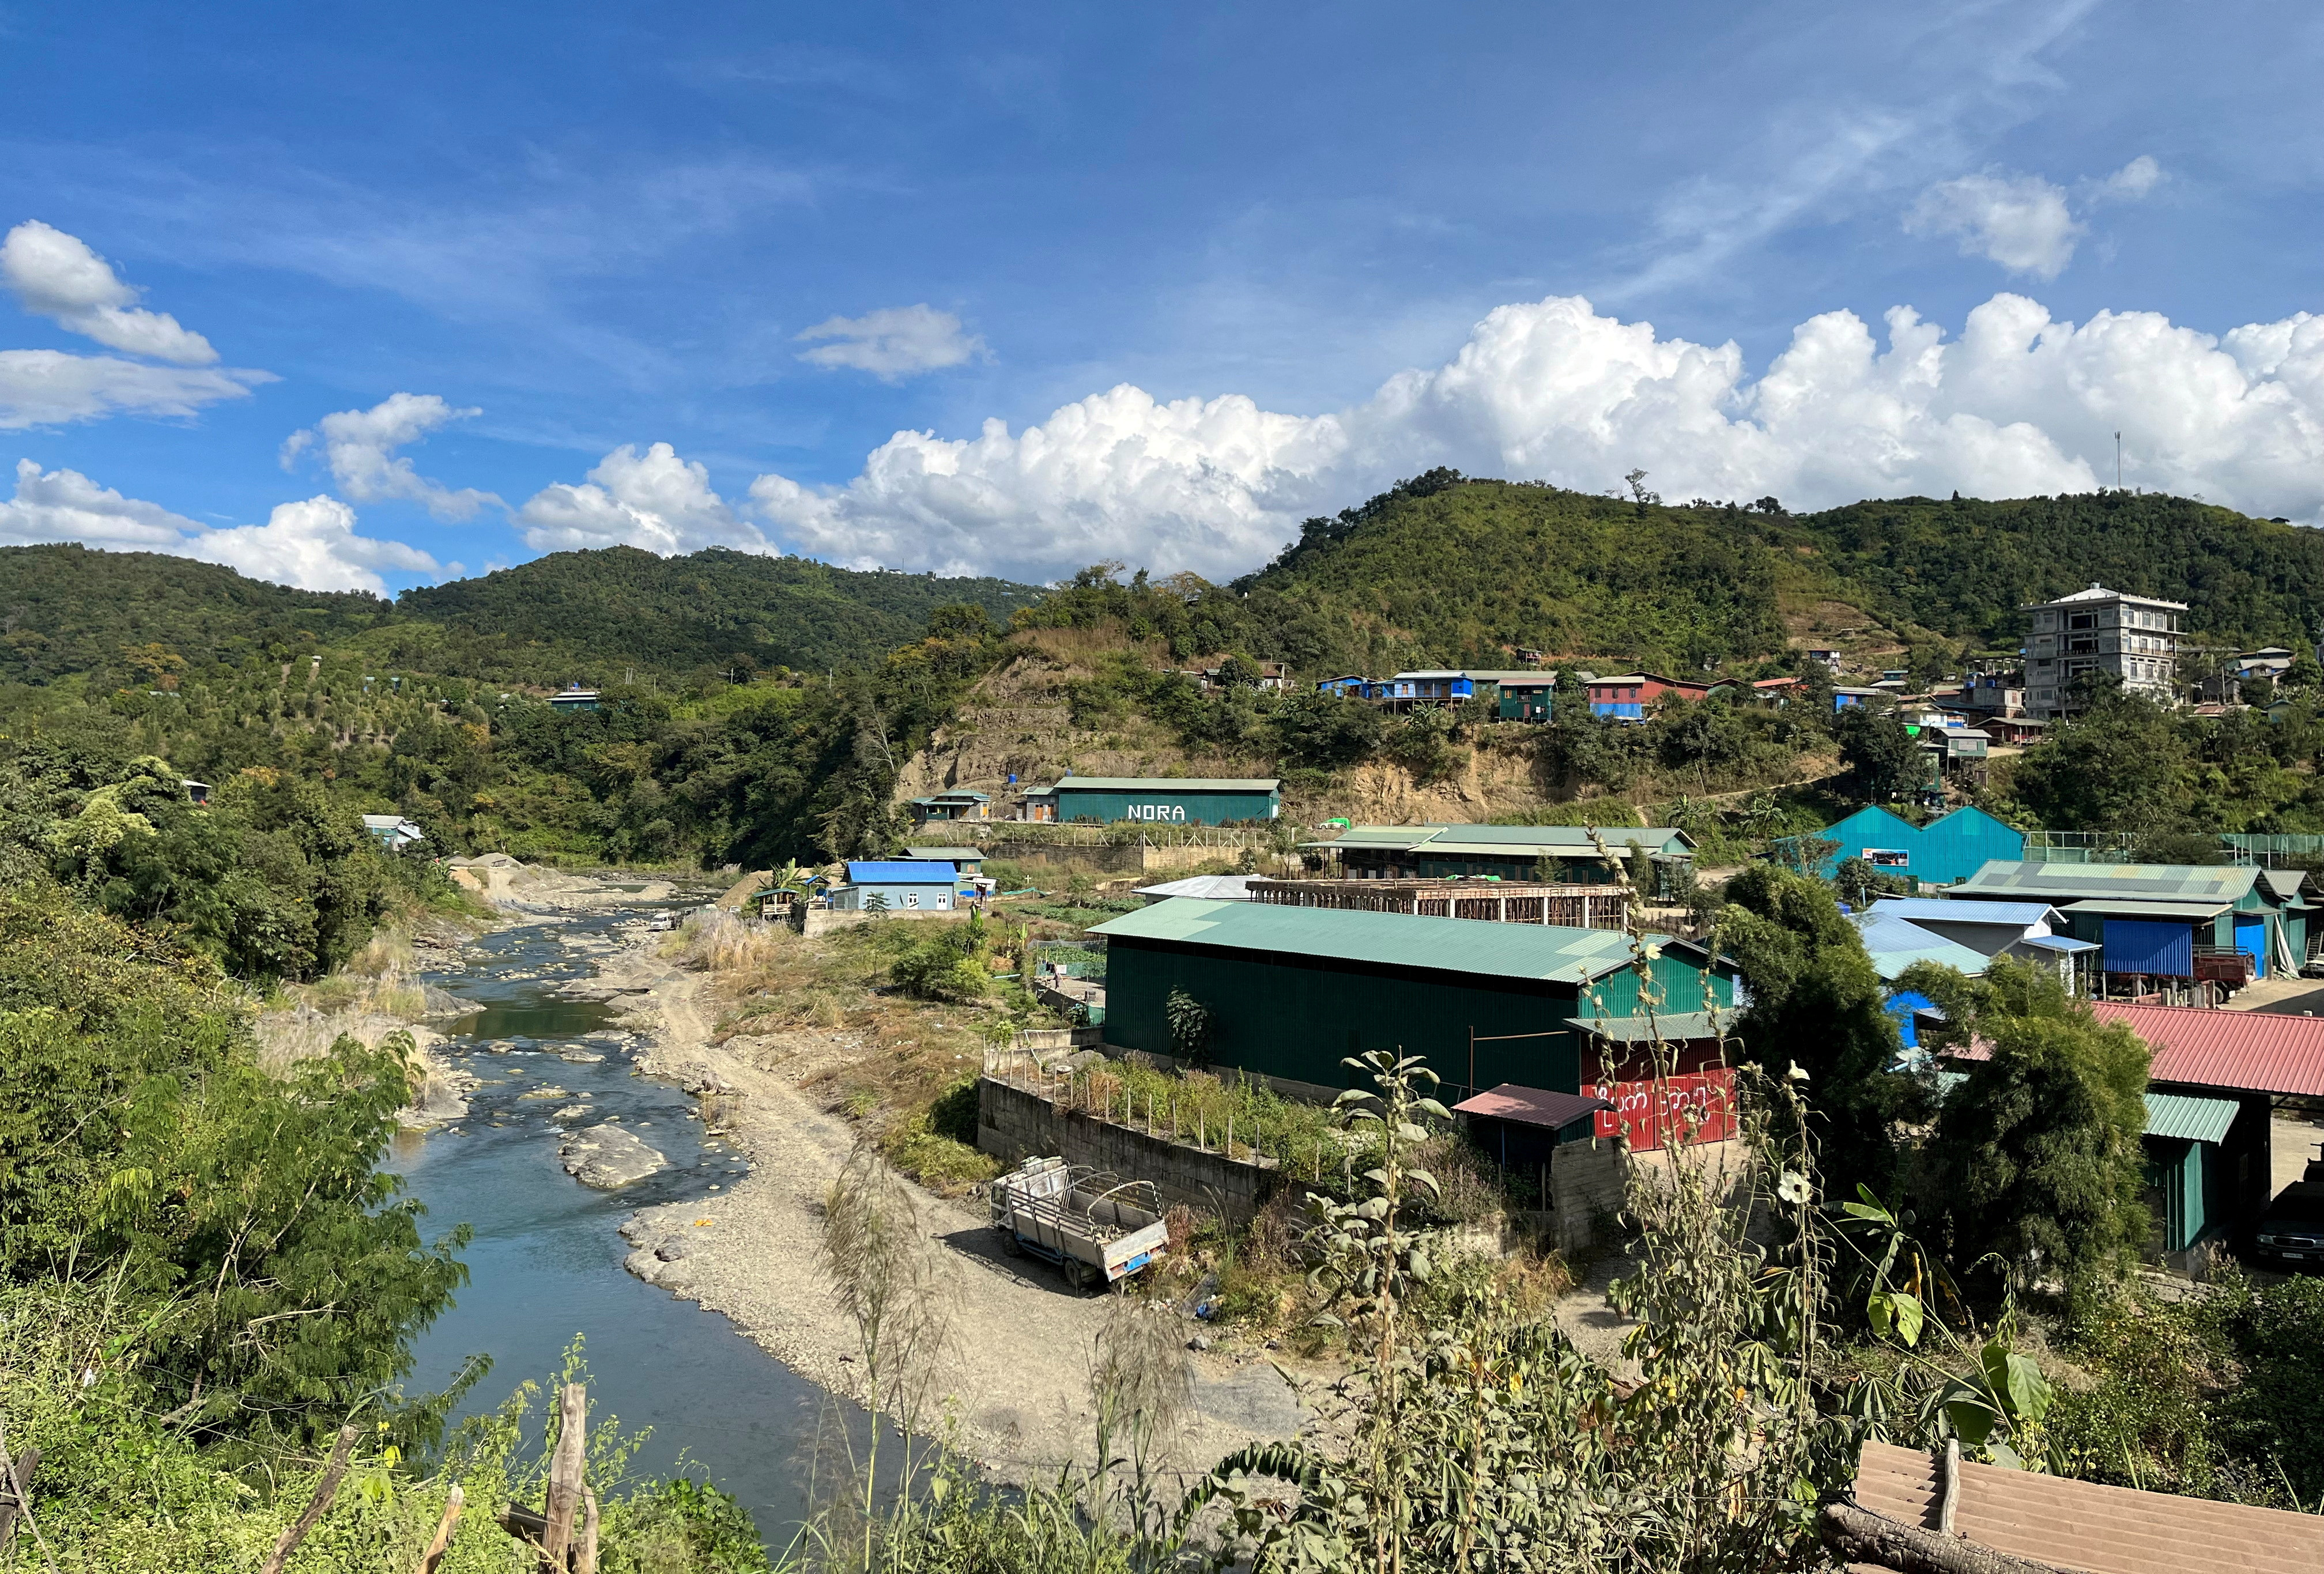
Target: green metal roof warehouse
1292,990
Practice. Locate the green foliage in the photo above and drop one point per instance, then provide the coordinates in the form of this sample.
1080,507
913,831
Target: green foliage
1817,1003
2036,1159
142,1144
1190,1027
1884,761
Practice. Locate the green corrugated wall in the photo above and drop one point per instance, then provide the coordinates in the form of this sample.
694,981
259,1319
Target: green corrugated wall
1198,808
1295,1016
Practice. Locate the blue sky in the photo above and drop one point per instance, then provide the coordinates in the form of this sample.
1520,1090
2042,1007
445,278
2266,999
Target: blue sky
1213,268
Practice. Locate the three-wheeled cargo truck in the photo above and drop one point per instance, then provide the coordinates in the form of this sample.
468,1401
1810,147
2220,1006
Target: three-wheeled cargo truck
1095,1226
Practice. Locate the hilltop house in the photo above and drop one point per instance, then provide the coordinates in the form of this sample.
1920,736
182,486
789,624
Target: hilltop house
2134,638
393,832
1627,697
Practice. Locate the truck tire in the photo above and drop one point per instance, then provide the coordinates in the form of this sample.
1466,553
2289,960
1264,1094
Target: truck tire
1085,1275
1010,1244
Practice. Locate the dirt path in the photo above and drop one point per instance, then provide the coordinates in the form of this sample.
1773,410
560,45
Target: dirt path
1015,1372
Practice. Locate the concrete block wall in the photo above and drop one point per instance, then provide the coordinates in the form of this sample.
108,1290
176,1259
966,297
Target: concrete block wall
1587,1181
1015,1124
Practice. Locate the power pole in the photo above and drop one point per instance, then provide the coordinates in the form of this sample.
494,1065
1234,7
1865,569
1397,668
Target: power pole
2117,461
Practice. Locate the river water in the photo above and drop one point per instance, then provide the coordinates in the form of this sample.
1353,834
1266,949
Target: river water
545,1262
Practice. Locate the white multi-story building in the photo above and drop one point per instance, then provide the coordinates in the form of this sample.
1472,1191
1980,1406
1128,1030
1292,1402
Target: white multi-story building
2134,636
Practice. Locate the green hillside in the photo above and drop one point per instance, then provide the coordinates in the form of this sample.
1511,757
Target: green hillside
67,610
1446,569
596,616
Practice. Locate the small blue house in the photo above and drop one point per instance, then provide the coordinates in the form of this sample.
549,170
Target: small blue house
1950,848
906,887
1352,685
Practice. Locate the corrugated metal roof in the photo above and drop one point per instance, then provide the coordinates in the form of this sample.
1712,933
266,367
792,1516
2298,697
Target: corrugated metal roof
2250,1052
1936,909
2081,1524
1508,840
2188,1116
1532,1106
1675,1027
901,874
1462,945
1160,784
2065,882
2193,912
2059,942
1893,944
1217,887
2285,882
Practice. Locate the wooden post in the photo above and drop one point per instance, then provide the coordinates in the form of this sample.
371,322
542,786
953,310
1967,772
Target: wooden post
16,1493
441,1541
325,1490
586,1563
564,1471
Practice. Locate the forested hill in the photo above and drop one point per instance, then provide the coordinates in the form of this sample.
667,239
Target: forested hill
597,616
1447,569
66,610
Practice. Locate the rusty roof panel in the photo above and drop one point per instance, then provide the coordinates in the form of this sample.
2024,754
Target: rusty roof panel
2081,1524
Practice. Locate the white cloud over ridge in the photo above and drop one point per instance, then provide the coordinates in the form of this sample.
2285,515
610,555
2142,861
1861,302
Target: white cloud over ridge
311,545
893,343
359,445
653,500
2019,404
56,275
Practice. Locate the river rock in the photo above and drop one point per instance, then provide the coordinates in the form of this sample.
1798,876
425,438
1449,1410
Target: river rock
570,1112
580,1057
608,1158
675,1277
551,1091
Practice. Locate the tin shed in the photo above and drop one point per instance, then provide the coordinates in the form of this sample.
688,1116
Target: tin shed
1166,800
1293,990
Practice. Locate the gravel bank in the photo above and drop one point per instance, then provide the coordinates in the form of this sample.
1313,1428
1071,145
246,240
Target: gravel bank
1015,1371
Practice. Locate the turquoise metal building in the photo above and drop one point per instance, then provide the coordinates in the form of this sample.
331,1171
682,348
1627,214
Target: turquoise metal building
2189,1181
1162,800
1952,847
1292,990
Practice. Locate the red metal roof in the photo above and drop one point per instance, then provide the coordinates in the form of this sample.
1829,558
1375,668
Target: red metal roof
1531,1105
2253,1052
2081,1524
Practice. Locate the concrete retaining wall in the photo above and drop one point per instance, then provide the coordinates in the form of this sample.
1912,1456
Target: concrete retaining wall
1014,1124
814,921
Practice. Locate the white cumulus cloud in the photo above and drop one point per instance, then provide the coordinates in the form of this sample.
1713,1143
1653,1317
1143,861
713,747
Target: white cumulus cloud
652,500
2019,221
56,275
44,388
2018,404
64,505
311,545
893,343
360,448
2024,223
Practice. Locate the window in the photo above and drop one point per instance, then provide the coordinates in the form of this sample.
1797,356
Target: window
1886,858
2082,620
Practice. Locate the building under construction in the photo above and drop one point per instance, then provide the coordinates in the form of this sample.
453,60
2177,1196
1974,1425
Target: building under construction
1499,901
